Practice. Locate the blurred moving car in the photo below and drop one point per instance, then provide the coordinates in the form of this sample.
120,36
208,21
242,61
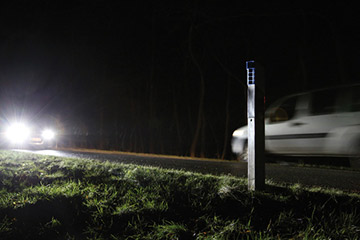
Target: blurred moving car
323,122
21,135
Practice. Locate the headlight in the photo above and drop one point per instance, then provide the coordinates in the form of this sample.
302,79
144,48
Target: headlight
48,134
17,132
241,133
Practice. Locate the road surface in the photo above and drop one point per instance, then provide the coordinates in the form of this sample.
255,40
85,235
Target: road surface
347,180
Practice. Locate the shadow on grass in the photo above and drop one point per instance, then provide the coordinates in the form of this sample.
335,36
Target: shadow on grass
47,219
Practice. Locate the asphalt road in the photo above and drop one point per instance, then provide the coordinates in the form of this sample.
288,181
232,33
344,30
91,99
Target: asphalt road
347,180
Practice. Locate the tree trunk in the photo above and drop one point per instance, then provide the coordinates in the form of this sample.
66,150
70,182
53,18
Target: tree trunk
201,98
227,119
152,115
302,55
177,123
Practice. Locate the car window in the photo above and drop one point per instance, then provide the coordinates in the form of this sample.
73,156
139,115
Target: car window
285,111
323,102
355,101
349,99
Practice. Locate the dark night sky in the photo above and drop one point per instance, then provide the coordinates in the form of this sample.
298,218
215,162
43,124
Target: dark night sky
104,67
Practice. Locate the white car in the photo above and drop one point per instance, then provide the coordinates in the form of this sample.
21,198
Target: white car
323,122
22,135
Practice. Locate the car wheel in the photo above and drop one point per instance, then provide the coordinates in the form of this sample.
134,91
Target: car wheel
244,155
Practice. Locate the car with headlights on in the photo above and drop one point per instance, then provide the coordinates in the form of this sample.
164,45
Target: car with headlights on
22,135
324,122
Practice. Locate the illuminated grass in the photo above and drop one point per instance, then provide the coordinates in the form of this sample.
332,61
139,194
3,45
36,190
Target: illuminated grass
56,198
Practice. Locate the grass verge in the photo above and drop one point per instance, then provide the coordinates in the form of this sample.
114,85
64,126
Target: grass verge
43,197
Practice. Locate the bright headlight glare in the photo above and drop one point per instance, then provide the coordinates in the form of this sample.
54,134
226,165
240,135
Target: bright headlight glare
48,134
17,133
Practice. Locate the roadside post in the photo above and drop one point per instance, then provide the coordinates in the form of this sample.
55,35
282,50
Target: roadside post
256,127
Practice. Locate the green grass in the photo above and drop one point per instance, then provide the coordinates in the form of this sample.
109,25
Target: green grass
44,197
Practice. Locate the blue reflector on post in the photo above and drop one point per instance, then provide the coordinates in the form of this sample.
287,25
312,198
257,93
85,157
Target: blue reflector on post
250,72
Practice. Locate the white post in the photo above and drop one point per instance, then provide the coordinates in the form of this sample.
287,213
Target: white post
256,129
